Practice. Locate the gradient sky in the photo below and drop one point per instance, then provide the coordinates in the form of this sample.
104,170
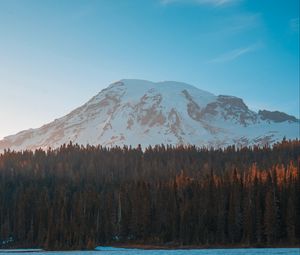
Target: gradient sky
57,54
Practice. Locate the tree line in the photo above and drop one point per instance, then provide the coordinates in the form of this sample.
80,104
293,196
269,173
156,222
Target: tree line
78,197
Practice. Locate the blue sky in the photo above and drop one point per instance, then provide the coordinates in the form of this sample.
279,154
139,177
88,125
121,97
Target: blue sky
56,54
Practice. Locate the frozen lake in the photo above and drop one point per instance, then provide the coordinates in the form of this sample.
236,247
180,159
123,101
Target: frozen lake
112,251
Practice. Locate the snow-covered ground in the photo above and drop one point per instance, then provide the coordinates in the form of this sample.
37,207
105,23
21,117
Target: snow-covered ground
113,251
132,112
17,251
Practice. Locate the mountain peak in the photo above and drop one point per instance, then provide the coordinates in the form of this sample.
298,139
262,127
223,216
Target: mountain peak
132,112
139,83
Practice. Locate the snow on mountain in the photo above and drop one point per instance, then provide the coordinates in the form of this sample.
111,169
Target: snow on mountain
132,112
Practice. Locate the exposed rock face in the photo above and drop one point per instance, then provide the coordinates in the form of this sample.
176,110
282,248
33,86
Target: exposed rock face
132,112
231,108
276,116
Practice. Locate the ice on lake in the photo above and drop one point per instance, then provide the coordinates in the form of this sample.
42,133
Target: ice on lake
114,251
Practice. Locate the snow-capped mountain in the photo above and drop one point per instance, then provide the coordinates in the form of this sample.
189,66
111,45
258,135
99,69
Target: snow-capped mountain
132,112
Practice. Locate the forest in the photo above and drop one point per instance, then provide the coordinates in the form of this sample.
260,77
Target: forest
79,197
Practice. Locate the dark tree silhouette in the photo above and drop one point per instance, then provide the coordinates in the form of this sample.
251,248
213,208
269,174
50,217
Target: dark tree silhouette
78,197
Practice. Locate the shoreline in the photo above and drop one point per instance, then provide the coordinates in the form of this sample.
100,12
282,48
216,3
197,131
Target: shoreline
199,247
156,247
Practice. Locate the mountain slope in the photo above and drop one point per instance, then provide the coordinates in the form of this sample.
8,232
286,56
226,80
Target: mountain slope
132,112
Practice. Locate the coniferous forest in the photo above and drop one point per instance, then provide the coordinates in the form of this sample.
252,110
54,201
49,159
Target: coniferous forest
79,197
